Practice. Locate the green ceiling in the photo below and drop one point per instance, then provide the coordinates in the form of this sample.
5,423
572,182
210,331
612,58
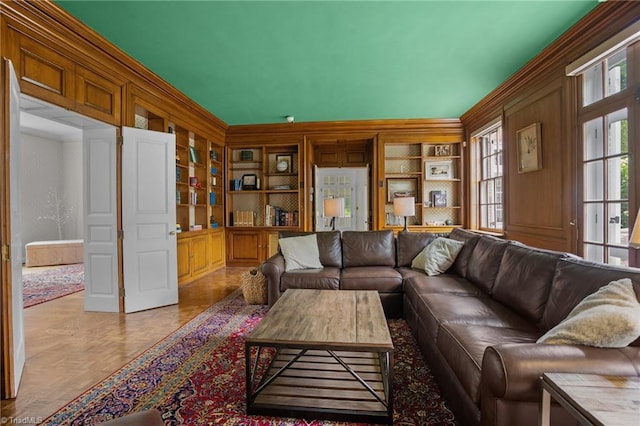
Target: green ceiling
250,62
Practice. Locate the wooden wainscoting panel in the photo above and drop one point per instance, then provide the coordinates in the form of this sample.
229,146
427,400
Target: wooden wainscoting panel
97,96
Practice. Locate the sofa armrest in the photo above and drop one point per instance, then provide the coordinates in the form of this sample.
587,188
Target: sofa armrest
513,370
273,268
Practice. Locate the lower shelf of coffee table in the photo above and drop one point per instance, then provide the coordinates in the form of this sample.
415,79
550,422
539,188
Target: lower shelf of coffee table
318,386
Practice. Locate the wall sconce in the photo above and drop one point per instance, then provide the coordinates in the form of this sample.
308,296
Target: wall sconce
634,239
404,206
333,207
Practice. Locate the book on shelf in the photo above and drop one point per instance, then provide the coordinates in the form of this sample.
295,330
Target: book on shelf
235,184
276,216
243,218
193,155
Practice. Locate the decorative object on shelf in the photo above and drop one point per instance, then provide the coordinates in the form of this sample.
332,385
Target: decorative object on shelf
246,155
529,148
178,228
195,227
213,154
193,155
438,198
402,187
442,150
434,170
404,206
448,222
333,207
193,180
283,163
249,182
280,187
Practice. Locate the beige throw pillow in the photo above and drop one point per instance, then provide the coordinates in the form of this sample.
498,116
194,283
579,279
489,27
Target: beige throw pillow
300,252
437,256
608,318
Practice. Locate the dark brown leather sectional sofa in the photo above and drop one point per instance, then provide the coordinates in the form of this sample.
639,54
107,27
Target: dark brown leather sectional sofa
478,323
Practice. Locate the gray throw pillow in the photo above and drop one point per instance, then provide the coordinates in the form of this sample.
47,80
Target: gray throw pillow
437,256
300,252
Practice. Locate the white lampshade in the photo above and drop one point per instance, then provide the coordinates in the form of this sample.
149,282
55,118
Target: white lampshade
334,207
404,206
634,240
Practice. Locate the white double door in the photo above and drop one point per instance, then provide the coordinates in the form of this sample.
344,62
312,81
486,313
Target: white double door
350,183
148,236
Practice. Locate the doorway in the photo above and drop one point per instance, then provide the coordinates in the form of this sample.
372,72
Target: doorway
350,184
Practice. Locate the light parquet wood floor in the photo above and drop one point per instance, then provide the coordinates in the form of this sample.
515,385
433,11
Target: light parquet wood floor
69,350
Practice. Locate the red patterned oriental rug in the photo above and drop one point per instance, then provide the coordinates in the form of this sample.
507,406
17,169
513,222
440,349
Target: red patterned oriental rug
43,284
196,376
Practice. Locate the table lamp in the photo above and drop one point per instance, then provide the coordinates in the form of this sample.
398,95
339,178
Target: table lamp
634,240
404,206
333,207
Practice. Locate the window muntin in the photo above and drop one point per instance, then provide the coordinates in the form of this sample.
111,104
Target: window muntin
490,184
597,85
605,188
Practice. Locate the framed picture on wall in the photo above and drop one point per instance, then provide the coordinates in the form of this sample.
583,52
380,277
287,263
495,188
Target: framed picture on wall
529,148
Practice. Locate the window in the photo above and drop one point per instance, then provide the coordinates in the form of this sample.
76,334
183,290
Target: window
604,122
488,185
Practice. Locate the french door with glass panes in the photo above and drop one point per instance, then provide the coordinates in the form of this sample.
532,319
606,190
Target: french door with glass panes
605,121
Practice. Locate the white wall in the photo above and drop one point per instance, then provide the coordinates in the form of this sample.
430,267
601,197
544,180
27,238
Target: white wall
50,166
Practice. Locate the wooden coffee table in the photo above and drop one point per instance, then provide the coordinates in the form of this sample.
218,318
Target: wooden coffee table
592,399
322,354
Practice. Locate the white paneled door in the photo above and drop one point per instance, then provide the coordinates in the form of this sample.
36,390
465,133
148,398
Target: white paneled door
149,219
15,338
99,147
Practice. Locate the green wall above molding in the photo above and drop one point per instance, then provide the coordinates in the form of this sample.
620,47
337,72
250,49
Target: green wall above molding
251,62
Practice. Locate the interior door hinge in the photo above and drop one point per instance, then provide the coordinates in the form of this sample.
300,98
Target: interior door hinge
120,140
6,253
120,291
121,234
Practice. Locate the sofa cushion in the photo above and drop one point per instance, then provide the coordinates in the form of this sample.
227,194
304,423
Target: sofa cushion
300,252
438,256
443,308
470,239
463,346
329,245
485,260
410,244
524,279
368,248
574,280
325,278
443,283
382,278
608,318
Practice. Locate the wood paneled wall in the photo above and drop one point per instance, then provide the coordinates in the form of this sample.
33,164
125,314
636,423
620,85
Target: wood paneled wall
540,206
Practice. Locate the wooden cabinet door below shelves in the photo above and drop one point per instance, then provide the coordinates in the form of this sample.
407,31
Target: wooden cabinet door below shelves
216,249
245,247
184,259
200,262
